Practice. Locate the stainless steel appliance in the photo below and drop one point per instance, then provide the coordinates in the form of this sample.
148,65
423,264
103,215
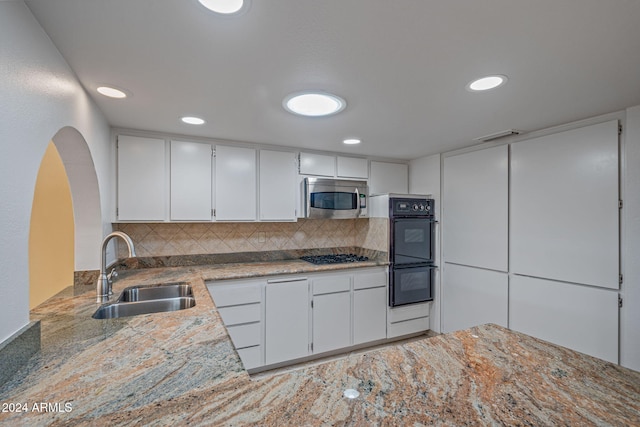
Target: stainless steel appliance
411,252
336,199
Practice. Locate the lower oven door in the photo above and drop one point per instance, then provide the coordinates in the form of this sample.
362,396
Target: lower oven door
411,284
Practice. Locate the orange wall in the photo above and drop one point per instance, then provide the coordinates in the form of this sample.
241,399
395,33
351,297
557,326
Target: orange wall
51,238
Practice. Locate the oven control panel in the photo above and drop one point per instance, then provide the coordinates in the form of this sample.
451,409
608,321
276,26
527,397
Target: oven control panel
410,207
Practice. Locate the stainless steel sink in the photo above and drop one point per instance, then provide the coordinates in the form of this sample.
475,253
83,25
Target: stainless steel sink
153,292
148,299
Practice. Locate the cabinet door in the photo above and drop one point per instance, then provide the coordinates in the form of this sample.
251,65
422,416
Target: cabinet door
564,206
331,321
235,183
579,317
317,164
141,179
369,315
351,167
473,296
389,178
277,186
475,208
286,320
191,167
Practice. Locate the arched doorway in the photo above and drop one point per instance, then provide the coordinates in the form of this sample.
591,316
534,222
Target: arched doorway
78,164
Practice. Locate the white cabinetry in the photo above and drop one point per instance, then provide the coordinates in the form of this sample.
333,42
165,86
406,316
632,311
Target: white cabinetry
389,178
331,309
191,166
370,298
473,296
277,186
240,304
142,179
564,206
582,318
286,319
352,167
317,164
235,183
475,210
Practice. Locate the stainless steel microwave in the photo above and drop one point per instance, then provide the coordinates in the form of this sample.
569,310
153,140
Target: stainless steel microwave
336,199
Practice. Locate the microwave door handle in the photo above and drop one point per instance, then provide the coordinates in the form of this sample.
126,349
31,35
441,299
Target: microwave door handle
358,201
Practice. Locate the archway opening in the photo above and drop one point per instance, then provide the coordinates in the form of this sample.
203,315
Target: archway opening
52,231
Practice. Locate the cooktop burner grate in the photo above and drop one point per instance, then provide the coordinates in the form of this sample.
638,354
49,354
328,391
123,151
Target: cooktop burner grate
334,259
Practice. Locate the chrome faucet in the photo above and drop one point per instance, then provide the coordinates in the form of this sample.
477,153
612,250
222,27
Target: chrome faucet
104,285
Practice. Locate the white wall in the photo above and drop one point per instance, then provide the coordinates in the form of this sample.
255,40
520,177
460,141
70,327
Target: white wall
39,95
424,178
630,289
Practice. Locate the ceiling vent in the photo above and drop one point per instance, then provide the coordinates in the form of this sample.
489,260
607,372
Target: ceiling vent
498,135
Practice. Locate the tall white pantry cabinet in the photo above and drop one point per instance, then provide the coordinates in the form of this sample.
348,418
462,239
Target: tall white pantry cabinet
531,238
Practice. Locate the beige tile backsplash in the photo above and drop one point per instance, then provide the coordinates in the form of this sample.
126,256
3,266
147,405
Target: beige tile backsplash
164,239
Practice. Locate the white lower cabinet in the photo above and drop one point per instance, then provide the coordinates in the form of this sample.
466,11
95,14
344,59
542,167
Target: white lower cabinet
331,308
369,315
286,320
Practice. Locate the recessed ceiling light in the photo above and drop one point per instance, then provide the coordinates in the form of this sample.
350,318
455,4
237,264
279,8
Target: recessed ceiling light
225,7
192,120
111,92
486,83
351,141
314,104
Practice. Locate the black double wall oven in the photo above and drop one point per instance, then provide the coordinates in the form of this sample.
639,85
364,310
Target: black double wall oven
412,231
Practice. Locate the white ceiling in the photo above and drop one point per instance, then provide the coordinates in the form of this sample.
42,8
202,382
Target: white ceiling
402,66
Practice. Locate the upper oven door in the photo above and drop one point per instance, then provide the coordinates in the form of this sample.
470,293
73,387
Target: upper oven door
335,199
412,241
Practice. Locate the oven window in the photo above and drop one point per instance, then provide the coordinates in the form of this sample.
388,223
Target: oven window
414,235
333,200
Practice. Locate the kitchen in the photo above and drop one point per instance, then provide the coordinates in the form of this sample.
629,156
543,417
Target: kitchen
39,81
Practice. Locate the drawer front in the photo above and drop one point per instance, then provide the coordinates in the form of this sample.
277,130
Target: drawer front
225,295
413,311
407,327
240,314
251,357
333,284
245,335
370,280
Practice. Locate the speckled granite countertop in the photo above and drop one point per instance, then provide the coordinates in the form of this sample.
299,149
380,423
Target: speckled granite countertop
180,368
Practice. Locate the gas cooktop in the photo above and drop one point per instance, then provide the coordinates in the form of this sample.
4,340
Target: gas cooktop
333,259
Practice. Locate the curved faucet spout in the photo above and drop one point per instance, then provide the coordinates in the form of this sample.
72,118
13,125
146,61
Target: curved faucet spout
103,287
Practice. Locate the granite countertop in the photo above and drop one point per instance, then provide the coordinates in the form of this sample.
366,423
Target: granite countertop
181,368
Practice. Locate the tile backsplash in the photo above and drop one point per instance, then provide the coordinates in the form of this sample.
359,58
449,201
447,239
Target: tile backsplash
164,239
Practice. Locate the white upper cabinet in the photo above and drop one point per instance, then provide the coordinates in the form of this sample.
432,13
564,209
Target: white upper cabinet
141,179
317,164
191,165
352,167
277,186
389,178
564,206
235,184
475,208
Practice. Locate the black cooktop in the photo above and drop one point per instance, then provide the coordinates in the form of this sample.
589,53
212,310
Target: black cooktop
333,259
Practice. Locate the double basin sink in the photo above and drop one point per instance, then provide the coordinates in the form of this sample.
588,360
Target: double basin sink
146,299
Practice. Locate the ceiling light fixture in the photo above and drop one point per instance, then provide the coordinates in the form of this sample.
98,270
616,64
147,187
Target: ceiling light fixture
314,104
486,83
351,141
193,120
225,7
111,92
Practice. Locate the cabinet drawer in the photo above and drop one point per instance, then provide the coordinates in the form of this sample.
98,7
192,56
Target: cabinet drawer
224,295
251,357
400,314
245,335
407,327
333,284
370,280
240,314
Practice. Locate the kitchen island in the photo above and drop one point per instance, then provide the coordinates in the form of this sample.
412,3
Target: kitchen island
181,368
